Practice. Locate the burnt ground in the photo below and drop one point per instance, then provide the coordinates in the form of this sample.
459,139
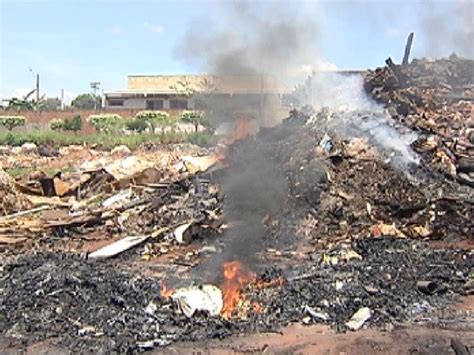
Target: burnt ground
320,241
88,306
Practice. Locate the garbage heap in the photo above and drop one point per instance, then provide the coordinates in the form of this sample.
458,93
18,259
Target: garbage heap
348,246
436,99
11,199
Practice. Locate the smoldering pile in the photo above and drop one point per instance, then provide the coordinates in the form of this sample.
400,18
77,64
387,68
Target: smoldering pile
331,221
434,98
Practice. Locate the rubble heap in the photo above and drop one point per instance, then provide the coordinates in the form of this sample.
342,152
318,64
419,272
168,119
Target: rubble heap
328,228
436,99
11,199
335,252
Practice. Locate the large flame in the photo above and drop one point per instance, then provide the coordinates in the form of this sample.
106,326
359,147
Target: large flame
242,129
236,276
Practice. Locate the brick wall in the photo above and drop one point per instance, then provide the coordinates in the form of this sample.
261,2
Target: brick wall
40,120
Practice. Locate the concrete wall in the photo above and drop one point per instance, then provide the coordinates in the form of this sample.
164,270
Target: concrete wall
140,103
164,83
135,103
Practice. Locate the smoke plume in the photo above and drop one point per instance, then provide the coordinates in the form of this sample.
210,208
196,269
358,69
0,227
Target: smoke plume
447,30
252,38
276,40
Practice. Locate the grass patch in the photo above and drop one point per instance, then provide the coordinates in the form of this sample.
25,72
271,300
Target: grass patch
21,171
102,140
203,139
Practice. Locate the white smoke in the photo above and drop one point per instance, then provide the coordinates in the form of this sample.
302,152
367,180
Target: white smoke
352,114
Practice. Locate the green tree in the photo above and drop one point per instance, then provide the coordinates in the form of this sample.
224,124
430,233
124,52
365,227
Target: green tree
155,119
51,104
197,118
10,122
57,124
74,124
86,102
107,123
137,125
19,104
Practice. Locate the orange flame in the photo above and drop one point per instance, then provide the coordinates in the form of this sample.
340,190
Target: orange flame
256,307
236,276
259,284
166,292
242,129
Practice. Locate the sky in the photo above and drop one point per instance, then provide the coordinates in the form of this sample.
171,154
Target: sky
71,43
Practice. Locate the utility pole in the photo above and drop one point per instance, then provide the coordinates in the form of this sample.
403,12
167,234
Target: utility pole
95,86
37,87
62,99
37,91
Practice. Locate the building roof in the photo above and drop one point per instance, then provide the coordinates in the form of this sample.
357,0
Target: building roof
185,84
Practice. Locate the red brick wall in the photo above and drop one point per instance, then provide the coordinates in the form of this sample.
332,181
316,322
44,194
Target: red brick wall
40,120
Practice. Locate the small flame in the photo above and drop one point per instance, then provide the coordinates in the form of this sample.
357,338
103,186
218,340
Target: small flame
259,284
256,307
166,292
236,276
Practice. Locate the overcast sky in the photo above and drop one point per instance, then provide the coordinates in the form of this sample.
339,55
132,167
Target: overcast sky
73,42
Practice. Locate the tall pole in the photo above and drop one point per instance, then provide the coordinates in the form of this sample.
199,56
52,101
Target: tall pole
62,99
37,91
406,55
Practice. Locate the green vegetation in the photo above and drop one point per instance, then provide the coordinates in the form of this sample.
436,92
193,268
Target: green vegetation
154,119
86,102
20,171
20,104
10,122
197,118
57,124
74,124
101,140
51,104
203,139
111,130
137,125
107,123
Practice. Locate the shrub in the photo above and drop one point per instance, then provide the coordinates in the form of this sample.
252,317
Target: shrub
203,139
74,124
10,122
197,118
155,119
57,124
137,125
106,123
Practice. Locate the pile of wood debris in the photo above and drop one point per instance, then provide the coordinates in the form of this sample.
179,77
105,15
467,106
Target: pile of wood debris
11,199
106,199
436,99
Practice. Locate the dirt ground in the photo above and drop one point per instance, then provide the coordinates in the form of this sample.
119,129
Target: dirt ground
436,336
319,339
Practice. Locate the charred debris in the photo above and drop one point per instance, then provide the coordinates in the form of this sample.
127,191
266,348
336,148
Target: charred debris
302,222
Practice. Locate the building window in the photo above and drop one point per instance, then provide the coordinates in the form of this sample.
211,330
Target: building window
154,104
176,104
114,102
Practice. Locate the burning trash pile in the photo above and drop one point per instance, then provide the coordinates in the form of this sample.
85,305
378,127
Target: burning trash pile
139,197
300,223
91,306
434,98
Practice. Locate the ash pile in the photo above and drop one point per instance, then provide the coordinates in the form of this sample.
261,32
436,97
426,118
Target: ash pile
302,224
435,98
